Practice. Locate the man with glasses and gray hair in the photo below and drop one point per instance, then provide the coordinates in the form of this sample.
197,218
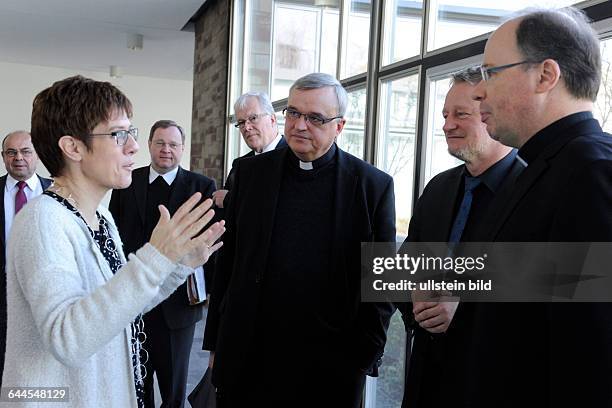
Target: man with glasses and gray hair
256,120
20,185
542,71
286,324
170,326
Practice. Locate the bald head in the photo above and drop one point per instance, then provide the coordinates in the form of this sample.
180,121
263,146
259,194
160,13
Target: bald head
19,156
541,66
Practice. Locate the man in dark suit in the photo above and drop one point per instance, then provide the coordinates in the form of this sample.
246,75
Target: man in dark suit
442,329
169,326
20,184
542,72
286,322
256,120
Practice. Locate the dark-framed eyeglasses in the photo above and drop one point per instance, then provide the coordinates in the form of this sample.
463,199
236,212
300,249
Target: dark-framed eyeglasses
253,119
120,136
12,153
487,71
160,144
314,118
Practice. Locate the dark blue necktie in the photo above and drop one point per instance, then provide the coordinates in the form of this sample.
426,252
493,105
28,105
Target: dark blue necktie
464,210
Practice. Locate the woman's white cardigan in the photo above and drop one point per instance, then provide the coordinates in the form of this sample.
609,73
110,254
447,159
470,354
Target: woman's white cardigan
68,315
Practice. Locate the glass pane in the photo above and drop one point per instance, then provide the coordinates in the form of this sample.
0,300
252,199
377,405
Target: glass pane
396,140
237,51
329,40
258,46
401,30
603,106
386,390
352,137
355,51
457,20
300,49
271,50
437,158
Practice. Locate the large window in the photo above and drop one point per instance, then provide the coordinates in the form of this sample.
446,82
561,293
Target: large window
396,141
352,138
300,49
402,30
452,21
356,41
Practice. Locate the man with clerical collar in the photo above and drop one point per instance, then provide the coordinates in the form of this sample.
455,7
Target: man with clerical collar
286,324
542,71
20,185
437,364
256,120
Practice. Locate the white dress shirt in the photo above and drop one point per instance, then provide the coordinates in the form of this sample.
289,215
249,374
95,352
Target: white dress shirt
272,145
168,177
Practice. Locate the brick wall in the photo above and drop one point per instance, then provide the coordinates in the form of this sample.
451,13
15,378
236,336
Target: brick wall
210,89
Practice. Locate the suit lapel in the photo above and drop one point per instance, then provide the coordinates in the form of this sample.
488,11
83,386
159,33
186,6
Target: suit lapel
141,182
514,191
346,183
526,178
2,187
270,188
44,182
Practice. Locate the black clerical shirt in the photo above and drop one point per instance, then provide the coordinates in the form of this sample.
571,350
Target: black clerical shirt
550,134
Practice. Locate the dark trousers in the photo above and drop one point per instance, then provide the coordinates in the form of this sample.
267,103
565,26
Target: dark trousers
323,390
169,352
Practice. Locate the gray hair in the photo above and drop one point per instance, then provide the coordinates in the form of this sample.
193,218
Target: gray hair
471,75
565,36
320,80
262,98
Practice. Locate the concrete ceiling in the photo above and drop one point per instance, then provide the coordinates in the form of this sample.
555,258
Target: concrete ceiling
91,35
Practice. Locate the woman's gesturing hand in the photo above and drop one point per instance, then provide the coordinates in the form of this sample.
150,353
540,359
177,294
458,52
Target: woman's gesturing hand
177,237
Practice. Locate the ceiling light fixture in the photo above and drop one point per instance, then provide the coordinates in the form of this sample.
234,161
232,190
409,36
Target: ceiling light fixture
134,41
115,71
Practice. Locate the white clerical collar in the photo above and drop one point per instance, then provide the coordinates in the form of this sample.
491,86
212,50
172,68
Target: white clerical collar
306,165
319,162
272,145
32,182
168,177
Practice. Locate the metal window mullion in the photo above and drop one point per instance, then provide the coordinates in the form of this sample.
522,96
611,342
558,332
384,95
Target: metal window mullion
420,133
342,35
274,12
425,26
372,86
319,40
230,79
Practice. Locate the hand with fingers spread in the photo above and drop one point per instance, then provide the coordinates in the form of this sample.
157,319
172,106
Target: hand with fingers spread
177,237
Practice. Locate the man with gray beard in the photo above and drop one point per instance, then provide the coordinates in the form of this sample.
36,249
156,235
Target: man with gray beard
450,209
